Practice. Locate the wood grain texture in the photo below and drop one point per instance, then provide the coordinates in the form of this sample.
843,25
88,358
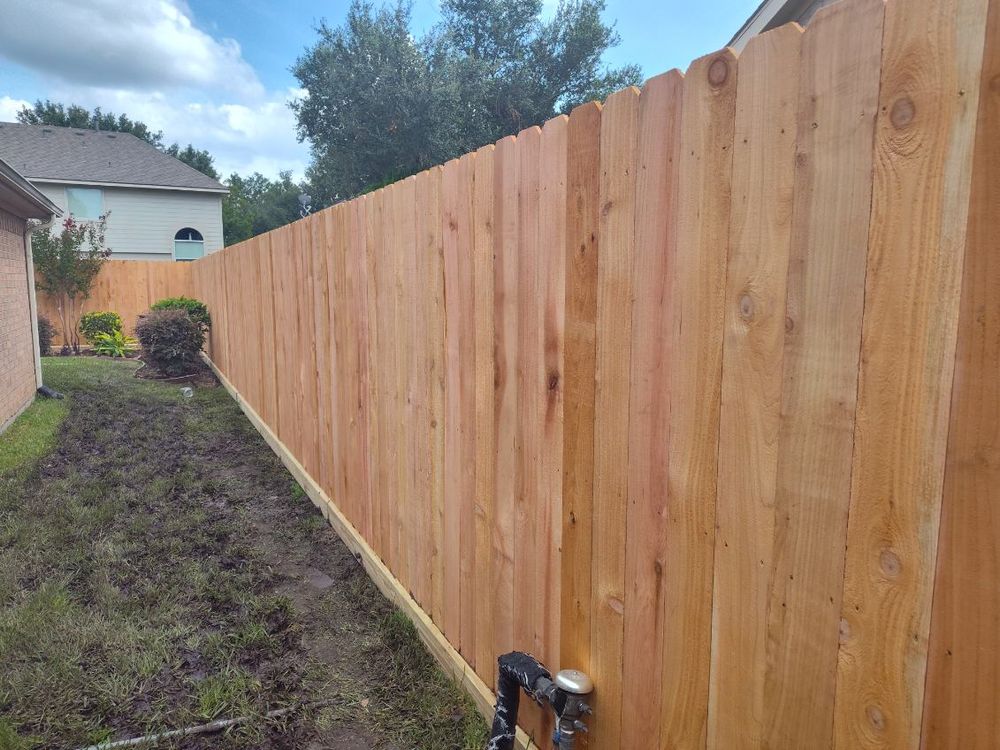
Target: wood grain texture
527,602
321,251
505,313
427,217
583,170
656,184
619,132
484,239
552,296
838,91
434,279
932,53
701,236
759,241
360,480
962,702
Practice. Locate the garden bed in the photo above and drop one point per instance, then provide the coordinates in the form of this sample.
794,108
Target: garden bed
159,568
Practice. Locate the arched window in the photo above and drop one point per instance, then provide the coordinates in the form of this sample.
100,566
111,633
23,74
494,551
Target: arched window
188,244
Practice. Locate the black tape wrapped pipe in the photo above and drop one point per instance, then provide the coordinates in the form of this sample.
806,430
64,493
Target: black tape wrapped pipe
517,671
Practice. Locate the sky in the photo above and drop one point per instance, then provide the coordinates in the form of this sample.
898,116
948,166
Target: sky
216,73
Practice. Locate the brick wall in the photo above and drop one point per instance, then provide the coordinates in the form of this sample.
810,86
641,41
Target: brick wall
17,357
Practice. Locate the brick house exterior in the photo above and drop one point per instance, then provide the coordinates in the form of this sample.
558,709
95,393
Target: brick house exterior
20,373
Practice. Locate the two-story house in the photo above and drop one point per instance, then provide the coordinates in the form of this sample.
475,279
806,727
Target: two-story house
160,208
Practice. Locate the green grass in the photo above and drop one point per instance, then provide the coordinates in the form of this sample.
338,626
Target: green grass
32,435
140,588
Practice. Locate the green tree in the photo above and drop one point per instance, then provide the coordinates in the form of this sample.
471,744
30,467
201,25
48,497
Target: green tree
75,116
383,104
256,204
66,264
197,158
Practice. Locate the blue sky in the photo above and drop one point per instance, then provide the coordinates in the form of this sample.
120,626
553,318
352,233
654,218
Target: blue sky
216,72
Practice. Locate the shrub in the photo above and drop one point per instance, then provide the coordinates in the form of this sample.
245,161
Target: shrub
115,344
94,323
46,332
170,341
196,309
66,265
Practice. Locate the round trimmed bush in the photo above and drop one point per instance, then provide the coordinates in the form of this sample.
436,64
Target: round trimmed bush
170,341
94,323
195,308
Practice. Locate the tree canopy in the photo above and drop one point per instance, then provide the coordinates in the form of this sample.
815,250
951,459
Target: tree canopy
256,204
382,104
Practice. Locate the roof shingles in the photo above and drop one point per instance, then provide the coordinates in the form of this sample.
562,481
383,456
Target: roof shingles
45,152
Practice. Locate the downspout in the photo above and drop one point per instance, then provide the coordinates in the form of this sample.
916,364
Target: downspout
32,300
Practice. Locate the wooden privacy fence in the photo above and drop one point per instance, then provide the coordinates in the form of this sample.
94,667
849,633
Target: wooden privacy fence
695,391
127,287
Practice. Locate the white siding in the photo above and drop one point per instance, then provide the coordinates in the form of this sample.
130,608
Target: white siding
143,222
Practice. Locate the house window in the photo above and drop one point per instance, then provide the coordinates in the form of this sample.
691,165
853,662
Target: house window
188,244
85,203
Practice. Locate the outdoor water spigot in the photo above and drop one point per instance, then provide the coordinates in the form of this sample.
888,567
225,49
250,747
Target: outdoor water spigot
565,694
570,707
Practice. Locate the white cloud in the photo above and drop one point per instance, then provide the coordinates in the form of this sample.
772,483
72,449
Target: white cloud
149,60
116,44
10,107
254,134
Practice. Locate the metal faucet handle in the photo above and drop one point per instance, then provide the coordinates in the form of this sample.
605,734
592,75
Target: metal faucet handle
574,681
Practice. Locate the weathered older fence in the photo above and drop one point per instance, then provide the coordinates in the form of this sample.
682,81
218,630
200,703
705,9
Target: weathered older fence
681,390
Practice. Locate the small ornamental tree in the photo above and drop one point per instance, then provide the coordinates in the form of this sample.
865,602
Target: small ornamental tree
66,264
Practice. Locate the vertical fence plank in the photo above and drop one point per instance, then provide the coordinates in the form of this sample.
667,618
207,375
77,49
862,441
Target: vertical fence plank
467,399
404,247
379,370
451,550
282,249
582,226
837,104
759,239
962,705
340,382
426,214
932,53
614,325
552,295
361,336
268,334
701,238
529,377
649,405
433,278
306,403
321,251
505,310
483,243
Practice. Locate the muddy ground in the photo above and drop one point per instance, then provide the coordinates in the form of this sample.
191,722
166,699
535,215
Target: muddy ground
159,568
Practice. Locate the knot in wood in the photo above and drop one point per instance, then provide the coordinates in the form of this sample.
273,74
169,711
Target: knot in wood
718,71
875,717
903,112
890,563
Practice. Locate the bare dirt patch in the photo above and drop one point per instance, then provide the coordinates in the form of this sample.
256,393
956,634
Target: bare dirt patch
159,568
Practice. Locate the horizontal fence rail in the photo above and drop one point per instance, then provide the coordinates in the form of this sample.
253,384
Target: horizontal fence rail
695,391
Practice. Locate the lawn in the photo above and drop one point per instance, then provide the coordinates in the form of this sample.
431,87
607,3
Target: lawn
159,568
